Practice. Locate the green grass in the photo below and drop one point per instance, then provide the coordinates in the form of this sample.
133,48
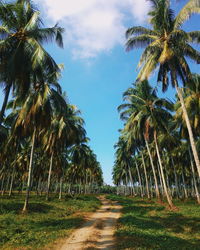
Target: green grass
44,223
149,225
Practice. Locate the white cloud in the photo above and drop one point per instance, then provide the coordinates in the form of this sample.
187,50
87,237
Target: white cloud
94,26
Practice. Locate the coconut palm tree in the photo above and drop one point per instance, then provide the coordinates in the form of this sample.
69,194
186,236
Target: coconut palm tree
150,115
125,161
167,46
23,60
65,130
135,99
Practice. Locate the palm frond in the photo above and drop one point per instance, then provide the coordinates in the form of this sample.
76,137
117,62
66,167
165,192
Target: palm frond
32,23
139,30
149,67
192,7
194,36
139,41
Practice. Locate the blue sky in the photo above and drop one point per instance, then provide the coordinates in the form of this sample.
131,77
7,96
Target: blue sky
97,68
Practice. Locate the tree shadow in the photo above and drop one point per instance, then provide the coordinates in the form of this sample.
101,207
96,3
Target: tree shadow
178,223
16,207
138,228
58,224
141,210
141,240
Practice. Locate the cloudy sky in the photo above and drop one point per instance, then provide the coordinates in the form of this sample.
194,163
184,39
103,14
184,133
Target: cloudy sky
94,26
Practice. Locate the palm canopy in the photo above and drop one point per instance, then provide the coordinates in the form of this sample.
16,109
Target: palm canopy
146,112
23,60
166,45
66,129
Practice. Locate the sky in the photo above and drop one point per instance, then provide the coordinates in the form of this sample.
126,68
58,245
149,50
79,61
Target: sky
97,67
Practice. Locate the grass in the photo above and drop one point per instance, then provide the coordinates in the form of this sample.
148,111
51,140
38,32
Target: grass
44,223
149,225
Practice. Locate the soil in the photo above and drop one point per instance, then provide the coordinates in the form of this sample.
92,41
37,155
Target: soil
98,231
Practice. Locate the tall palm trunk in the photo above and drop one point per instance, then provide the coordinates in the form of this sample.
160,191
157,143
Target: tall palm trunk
85,192
162,173
184,185
189,128
146,178
161,183
139,178
11,182
39,185
7,92
176,180
194,179
127,191
153,169
7,183
49,177
29,173
2,185
60,192
131,179
151,187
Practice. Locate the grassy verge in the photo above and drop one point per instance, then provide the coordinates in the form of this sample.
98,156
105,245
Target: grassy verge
45,222
149,225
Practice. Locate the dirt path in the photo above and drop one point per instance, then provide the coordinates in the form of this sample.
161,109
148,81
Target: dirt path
97,232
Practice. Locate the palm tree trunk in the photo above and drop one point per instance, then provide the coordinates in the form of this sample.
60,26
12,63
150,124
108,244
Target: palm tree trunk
162,173
154,172
131,179
60,192
139,178
11,183
7,92
151,187
80,184
7,183
146,178
161,183
85,182
29,173
2,185
176,180
39,185
194,179
184,185
69,189
189,128
126,184
49,177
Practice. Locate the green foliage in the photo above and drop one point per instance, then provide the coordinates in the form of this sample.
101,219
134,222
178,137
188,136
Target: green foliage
45,222
149,225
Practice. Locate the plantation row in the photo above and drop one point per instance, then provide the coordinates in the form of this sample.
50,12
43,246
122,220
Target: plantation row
157,154
42,135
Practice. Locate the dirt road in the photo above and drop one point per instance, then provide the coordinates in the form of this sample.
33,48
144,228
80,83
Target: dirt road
97,232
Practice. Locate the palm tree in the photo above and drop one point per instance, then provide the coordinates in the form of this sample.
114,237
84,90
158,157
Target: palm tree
65,130
33,117
150,115
22,56
125,162
166,48
136,98
84,164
